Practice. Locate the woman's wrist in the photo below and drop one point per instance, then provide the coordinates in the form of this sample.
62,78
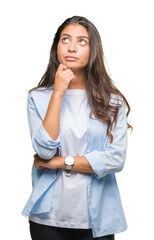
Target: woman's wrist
59,162
57,95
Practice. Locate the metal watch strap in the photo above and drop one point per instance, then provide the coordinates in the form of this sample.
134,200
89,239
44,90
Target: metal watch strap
68,170
68,173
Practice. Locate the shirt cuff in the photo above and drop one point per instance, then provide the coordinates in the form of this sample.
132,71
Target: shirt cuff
96,162
43,138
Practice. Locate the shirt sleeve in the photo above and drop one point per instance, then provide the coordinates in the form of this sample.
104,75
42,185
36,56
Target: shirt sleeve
42,143
112,159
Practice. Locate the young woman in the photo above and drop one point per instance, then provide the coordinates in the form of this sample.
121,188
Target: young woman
78,125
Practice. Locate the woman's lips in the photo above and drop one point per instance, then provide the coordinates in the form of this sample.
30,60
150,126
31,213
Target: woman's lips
71,58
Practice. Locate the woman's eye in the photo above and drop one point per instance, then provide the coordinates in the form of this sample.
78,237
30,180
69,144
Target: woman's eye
66,40
83,42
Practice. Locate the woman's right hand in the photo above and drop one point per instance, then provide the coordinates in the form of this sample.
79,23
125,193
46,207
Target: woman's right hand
63,77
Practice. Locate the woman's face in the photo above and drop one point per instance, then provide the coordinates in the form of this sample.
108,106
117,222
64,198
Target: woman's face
73,48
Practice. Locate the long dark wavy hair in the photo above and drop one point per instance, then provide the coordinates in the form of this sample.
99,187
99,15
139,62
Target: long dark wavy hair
98,84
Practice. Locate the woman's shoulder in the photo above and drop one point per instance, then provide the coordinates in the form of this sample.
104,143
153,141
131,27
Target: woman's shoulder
40,97
41,92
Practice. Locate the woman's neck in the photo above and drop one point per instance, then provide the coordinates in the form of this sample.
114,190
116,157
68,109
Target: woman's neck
79,83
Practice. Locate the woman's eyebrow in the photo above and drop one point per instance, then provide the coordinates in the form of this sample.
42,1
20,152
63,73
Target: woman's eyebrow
68,35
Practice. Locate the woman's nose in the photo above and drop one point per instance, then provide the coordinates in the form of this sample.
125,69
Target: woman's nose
72,47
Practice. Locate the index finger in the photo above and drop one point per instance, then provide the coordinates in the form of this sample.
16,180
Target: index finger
61,67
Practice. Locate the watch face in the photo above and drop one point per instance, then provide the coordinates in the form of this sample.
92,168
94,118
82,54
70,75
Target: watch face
69,160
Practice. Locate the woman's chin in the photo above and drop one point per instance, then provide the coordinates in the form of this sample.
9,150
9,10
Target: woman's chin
70,65
74,68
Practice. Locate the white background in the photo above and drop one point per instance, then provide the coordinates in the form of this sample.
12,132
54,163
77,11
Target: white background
27,30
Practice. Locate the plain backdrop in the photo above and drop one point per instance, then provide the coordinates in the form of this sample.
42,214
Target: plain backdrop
27,30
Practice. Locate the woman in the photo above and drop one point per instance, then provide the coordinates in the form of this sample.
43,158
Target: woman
78,125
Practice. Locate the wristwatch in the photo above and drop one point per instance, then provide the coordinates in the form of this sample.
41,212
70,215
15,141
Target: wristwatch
69,162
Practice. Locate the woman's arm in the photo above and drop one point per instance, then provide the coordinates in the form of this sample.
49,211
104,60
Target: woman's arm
45,135
81,164
51,121
112,158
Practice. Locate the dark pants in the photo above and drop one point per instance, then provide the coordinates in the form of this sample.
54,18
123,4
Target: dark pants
43,232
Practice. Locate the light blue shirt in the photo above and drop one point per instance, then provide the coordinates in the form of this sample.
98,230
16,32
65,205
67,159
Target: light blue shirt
104,204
